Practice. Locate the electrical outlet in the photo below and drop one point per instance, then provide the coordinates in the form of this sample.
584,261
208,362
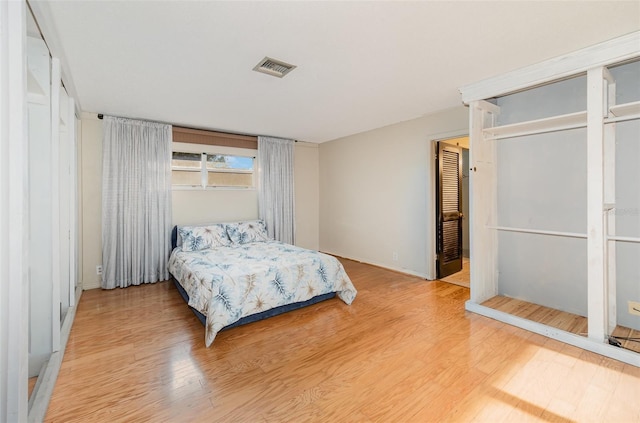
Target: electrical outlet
99,269
394,256
634,308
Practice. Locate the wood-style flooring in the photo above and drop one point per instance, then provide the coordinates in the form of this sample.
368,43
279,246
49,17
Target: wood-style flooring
558,319
623,334
404,351
32,384
463,277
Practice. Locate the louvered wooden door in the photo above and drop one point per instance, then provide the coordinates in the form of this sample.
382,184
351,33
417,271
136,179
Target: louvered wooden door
449,221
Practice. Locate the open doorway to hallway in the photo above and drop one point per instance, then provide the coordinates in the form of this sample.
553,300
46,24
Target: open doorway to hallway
452,210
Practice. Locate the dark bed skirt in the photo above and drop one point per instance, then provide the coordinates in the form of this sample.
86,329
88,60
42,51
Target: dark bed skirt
257,316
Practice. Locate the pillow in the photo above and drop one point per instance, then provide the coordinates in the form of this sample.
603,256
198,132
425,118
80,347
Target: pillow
196,238
244,232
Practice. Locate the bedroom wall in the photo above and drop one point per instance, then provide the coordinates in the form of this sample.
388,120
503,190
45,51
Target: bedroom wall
189,206
374,191
307,192
91,211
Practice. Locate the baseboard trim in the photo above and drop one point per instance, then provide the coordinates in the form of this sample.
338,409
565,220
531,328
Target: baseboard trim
620,354
42,392
382,266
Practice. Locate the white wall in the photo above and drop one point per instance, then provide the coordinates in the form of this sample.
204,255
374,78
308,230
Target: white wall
91,209
79,197
375,194
307,195
200,206
190,206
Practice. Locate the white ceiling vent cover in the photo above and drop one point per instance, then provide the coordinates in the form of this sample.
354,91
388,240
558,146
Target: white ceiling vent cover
273,67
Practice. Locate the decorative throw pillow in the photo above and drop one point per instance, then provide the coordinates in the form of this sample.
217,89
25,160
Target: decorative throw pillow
196,238
244,232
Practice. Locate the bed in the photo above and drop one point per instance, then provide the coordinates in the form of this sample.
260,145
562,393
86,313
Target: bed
232,274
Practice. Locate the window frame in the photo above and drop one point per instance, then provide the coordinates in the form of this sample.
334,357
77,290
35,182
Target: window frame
206,150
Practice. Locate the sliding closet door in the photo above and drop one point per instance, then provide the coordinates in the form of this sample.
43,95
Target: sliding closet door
64,154
40,204
68,206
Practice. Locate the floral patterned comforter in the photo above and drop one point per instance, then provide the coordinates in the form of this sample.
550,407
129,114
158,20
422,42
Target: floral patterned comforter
228,283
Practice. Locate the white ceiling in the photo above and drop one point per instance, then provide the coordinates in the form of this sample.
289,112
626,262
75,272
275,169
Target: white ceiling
361,65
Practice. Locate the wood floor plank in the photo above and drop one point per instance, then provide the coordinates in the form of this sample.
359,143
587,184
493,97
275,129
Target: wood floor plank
32,384
558,319
405,350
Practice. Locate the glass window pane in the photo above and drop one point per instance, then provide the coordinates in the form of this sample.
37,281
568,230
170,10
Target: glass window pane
224,170
224,161
229,179
186,177
189,160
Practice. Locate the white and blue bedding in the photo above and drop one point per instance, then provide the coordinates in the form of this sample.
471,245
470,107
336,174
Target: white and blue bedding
229,282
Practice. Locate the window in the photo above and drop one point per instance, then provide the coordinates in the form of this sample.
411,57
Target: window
206,170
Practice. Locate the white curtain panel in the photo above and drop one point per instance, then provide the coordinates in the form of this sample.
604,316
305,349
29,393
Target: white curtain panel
275,196
136,202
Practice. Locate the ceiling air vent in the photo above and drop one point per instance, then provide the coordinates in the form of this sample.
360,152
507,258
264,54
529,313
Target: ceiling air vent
273,67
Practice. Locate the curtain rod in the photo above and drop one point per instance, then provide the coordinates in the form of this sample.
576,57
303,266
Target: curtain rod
101,116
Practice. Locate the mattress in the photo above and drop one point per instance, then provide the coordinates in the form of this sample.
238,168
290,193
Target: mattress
227,283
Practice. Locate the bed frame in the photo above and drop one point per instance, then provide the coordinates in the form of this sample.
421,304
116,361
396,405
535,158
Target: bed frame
252,317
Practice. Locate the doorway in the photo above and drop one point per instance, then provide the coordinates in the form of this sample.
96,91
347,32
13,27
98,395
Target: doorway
452,211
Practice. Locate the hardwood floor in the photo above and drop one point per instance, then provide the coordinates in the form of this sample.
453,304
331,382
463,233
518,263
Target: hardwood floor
32,384
537,313
404,351
463,277
623,334
558,319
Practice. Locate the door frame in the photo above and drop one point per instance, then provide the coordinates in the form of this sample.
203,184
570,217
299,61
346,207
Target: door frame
432,256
